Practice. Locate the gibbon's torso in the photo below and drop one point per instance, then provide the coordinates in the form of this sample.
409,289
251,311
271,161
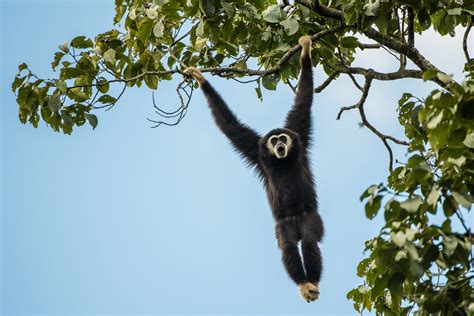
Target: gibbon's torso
289,186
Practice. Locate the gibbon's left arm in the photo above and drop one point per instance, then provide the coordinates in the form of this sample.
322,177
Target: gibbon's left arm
242,137
299,117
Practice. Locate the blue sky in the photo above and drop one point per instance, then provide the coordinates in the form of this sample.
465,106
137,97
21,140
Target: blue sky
132,220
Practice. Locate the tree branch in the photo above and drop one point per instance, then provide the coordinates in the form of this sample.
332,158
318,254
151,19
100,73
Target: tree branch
465,40
384,76
369,46
326,82
322,10
401,48
411,29
360,106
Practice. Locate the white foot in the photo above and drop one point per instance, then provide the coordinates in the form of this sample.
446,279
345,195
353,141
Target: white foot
309,291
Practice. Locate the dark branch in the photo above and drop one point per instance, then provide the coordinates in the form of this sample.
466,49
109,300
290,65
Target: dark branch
322,10
411,29
465,40
326,82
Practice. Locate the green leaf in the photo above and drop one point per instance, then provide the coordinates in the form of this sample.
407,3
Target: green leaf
61,85
151,13
291,26
433,196
228,8
107,99
411,205
455,11
395,285
429,74
469,140
57,59
92,119
349,42
457,161
462,199
435,120
200,29
373,206
22,67
399,238
424,19
151,82
249,10
81,42
103,85
64,47
270,82
363,266
207,7
145,30
54,103
109,56
372,7
272,14
159,29
444,77
17,82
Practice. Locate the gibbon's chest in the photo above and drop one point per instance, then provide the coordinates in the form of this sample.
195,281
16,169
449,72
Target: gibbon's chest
287,186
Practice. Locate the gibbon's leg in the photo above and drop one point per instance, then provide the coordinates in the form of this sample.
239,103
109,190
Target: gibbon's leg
312,261
287,232
312,232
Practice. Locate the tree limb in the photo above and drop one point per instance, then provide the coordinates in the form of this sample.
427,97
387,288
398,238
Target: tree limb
465,40
411,29
326,82
384,76
360,106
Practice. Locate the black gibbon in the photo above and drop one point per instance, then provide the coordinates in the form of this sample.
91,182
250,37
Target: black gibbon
281,161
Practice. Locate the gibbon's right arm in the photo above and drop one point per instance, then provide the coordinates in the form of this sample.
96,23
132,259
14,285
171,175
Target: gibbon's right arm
243,138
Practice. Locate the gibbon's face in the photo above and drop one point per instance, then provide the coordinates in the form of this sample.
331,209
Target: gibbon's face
279,145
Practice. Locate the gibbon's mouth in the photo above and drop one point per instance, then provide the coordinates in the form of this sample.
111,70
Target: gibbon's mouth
281,151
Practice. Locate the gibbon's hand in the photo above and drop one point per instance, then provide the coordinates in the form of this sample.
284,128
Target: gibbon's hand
305,42
309,291
196,75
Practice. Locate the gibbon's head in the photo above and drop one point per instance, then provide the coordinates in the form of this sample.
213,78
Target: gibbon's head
280,142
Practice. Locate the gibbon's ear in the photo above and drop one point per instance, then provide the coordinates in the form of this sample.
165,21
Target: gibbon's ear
196,75
305,42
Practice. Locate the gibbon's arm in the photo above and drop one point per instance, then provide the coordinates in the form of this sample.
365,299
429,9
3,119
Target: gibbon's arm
299,117
242,137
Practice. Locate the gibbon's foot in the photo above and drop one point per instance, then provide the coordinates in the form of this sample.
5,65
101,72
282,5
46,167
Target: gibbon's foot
196,74
309,291
305,42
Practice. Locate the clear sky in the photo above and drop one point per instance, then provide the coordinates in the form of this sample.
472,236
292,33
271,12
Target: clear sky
132,220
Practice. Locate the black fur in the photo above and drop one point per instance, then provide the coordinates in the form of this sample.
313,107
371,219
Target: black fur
288,182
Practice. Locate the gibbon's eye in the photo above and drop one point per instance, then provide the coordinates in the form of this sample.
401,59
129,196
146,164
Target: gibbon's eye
273,140
283,138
